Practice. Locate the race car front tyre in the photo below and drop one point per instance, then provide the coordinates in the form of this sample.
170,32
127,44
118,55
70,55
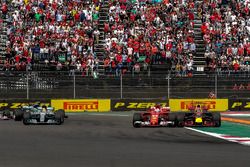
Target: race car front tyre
217,119
62,113
180,119
172,118
137,117
26,117
18,115
59,116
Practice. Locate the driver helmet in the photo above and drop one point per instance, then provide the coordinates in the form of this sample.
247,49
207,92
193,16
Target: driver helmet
36,105
157,109
198,108
158,105
44,108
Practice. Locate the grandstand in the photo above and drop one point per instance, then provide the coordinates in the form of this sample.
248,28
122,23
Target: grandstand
110,37
3,36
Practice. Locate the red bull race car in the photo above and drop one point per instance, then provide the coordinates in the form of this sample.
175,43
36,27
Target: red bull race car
198,116
154,117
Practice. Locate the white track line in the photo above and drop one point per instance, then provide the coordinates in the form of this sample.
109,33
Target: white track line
235,115
220,136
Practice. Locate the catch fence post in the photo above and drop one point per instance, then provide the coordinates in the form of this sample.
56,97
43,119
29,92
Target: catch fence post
74,80
27,83
121,96
216,86
168,78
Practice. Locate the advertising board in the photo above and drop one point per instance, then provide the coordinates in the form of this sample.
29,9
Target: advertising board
81,105
211,104
135,105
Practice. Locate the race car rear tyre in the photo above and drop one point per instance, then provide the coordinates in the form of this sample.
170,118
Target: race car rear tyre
62,113
18,115
137,117
180,119
26,117
217,119
59,116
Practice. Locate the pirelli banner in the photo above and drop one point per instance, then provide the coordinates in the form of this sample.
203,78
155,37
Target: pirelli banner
82,105
135,105
211,104
239,104
16,103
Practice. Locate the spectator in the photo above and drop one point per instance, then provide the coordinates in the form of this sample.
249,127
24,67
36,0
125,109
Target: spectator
225,31
248,86
151,30
54,33
241,87
235,87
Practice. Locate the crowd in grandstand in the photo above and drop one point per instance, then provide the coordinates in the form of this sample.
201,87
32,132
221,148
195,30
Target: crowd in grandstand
226,32
138,33
57,33
142,33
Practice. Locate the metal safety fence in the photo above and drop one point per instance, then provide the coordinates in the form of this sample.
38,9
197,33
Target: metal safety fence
47,85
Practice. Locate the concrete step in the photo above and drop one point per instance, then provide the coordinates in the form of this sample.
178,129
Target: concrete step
98,52
103,13
197,26
103,17
197,29
104,9
101,44
198,38
99,49
200,45
200,55
101,41
199,59
199,63
197,32
103,20
197,21
200,49
199,41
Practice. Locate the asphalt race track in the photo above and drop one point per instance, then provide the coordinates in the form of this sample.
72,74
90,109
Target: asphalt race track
111,141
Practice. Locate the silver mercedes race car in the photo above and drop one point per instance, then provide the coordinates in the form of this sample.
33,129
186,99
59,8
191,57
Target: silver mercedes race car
40,115
5,114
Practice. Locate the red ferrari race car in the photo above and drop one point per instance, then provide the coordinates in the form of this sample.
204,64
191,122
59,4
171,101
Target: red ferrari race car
154,117
198,116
